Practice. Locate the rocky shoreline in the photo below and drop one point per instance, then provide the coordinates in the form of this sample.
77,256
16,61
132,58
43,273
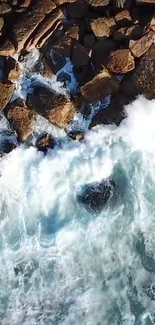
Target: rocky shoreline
110,44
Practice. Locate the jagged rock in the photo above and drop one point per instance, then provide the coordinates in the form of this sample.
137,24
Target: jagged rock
6,92
13,71
124,33
101,52
121,61
58,109
95,196
4,8
45,29
21,118
77,9
98,3
79,55
76,135
123,18
103,27
23,28
73,32
141,46
102,85
88,40
45,142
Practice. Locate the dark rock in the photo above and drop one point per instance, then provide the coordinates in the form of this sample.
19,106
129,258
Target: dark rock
88,40
1,23
102,85
63,46
125,34
58,109
6,147
60,2
77,135
103,27
45,142
141,46
55,60
101,52
77,9
13,71
121,61
6,92
123,18
84,74
79,55
95,196
21,118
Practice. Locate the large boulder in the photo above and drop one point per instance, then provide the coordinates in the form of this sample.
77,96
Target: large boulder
95,196
121,61
21,118
6,92
102,85
58,109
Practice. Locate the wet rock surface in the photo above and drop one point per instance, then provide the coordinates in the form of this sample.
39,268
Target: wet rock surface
45,142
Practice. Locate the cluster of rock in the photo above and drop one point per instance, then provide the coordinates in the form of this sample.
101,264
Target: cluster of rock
111,46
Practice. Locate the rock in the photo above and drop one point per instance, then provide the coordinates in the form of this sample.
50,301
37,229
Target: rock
78,9
45,142
58,109
123,18
103,27
73,32
152,24
84,74
79,55
13,71
145,1
7,49
88,40
21,118
101,52
63,46
55,60
77,135
45,29
43,68
125,34
4,8
6,92
141,46
1,23
61,2
98,3
102,85
25,3
23,28
6,147
121,61
95,196
123,4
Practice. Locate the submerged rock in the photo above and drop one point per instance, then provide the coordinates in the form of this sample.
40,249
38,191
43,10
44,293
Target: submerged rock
21,118
95,196
76,135
58,109
6,147
45,142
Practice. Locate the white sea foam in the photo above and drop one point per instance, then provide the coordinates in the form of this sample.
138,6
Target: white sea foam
59,264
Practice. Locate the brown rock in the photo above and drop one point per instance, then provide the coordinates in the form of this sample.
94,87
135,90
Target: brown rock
77,135
103,27
102,85
7,49
123,18
24,27
121,61
6,92
41,32
152,24
101,52
64,46
1,23
58,109
77,9
122,4
145,1
4,8
84,73
21,118
54,59
45,142
98,3
43,68
79,55
141,46
25,3
125,33
13,71
73,32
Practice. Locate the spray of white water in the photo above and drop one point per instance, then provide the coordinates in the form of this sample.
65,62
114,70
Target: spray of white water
60,265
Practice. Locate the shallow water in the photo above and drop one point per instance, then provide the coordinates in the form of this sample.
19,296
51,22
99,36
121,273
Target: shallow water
61,265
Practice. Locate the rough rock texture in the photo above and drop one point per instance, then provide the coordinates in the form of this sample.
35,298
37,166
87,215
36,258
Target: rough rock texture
123,18
64,46
73,32
94,196
13,71
121,61
141,46
58,109
102,85
21,118
7,49
45,142
76,135
6,92
103,27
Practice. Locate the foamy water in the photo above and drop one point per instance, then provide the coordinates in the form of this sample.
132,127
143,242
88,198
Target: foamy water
61,265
